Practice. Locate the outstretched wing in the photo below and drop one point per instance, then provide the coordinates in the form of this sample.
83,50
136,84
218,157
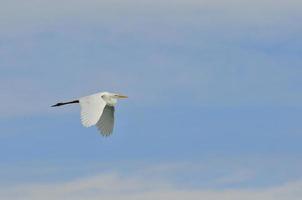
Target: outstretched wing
91,109
106,122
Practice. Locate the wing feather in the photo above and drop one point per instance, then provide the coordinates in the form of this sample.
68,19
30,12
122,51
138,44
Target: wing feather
106,122
91,109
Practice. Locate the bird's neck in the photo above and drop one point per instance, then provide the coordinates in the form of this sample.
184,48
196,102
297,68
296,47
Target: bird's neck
111,101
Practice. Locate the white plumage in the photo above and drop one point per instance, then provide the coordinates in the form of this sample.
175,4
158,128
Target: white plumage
91,109
97,109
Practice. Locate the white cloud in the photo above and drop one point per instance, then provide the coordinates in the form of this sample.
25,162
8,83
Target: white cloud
21,15
237,177
199,53
210,179
115,187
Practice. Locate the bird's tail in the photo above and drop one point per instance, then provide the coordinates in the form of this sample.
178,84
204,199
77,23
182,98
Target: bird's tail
64,103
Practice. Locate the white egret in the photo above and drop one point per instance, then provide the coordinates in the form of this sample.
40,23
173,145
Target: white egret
97,109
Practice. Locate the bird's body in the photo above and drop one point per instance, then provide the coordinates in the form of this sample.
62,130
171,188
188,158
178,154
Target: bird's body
97,109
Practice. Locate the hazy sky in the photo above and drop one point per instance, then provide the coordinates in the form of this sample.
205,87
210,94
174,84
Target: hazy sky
214,108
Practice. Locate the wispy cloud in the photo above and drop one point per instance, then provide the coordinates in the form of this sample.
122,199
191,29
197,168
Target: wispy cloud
114,187
217,53
32,15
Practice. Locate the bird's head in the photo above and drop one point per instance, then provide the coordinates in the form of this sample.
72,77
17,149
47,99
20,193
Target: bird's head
111,98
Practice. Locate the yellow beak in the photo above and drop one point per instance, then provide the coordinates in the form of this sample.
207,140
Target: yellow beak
122,96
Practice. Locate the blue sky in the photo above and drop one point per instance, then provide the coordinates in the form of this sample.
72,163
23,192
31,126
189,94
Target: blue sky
214,108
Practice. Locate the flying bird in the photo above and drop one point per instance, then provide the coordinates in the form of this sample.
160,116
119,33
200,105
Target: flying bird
97,109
